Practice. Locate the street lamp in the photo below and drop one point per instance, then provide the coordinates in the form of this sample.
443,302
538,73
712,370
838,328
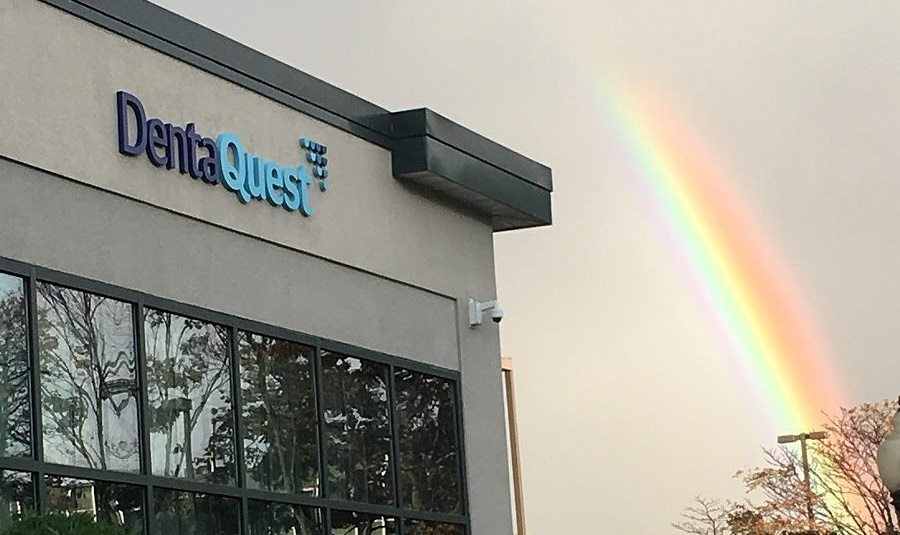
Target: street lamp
888,461
803,437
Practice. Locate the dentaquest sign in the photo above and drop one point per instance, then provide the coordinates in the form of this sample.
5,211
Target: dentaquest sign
222,160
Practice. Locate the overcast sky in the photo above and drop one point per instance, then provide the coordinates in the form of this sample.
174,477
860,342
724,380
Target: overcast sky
629,403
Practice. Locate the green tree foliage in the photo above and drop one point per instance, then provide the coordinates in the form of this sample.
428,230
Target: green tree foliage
56,524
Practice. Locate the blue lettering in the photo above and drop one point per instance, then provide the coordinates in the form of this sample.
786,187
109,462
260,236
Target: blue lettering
221,160
124,102
156,138
256,176
177,135
274,184
305,181
291,189
209,165
232,164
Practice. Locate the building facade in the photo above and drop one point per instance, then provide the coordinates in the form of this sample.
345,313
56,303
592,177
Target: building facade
234,298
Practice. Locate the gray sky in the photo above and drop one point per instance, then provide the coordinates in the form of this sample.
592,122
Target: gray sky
630,403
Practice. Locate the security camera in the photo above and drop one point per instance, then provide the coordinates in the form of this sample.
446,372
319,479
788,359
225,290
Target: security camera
478,308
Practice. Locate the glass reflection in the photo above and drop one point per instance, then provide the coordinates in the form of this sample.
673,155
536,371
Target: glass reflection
426,416
88,382
16,495
278,415
420,527
188,513
349,523
357,428
120,505
15,401
189,396
268,518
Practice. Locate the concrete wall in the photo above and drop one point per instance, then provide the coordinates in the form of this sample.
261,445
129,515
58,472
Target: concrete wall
377,266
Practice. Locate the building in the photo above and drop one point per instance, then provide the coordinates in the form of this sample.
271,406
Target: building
234,299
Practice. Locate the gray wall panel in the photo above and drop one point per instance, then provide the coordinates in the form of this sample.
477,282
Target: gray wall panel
90,233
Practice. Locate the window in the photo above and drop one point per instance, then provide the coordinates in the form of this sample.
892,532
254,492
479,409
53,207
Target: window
88,383
350,523
15,410
121,505
420,527
278,414
189,395
16,495
190,513
357,428
137,421
267,518
429,457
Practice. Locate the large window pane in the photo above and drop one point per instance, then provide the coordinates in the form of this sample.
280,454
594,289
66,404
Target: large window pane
16,495
88,380
426,415
349,523
420,527
15,401
357,427
268,518
278,415
189,395
121,505
188,513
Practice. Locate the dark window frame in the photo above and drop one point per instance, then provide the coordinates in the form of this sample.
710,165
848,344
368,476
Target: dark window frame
39,469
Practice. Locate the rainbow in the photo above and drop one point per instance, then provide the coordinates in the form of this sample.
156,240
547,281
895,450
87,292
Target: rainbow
733,264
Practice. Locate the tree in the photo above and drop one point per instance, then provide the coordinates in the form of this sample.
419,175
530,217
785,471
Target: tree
88,381
15,413
847,495
705,517
189,394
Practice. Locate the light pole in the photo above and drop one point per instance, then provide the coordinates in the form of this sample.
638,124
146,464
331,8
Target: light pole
803,437
888,462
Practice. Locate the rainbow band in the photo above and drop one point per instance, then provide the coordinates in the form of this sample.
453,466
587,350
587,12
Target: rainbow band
732,262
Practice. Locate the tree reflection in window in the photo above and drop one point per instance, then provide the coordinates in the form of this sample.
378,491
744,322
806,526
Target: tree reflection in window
350,523
189,513
189,396
88,382
16,495
357,428
15,401
113,503
267,518
426,415
420,527
278,415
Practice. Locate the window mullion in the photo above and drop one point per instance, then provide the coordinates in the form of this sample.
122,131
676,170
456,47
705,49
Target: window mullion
237,404
140,351
37,421
319,387
395,434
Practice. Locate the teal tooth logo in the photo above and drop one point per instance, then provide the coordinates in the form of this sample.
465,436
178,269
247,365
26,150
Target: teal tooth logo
315,155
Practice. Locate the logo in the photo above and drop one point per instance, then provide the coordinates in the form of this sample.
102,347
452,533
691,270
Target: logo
223,160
